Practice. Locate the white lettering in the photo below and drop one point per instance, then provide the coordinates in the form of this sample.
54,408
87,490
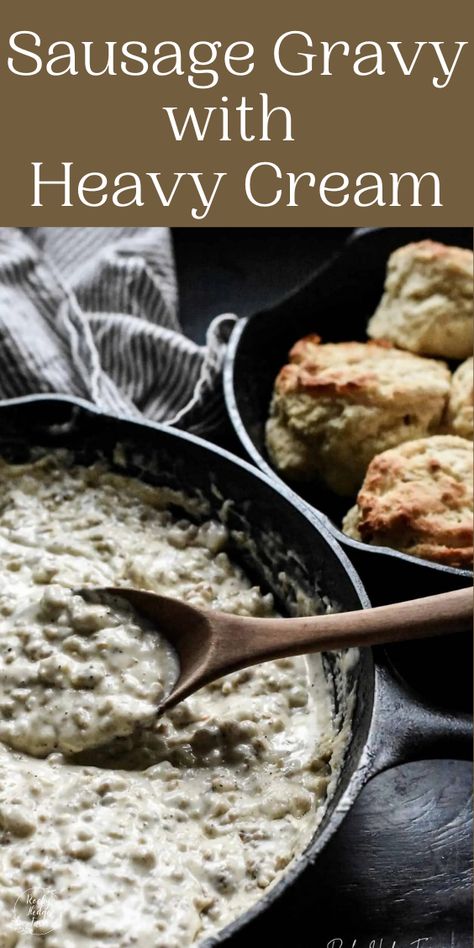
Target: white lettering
230,56
199,66
191,119
109,68
327,53
416,182
174,57
82,187
377,186
64,182
444,65
325,186
138,59
376,55
249,183
308,57
135,187
407,68
165,199
68,56
207,201
267,113
24,52
293,181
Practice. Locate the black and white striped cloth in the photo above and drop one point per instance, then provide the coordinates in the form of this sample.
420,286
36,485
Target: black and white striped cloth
92,312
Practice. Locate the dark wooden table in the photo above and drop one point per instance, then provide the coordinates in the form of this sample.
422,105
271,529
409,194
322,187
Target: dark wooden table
398,872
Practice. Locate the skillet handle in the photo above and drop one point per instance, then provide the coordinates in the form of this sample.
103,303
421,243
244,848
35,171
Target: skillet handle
405,729
389,576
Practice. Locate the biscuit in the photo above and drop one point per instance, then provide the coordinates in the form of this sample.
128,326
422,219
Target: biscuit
337,405
460,413
427,305
417,498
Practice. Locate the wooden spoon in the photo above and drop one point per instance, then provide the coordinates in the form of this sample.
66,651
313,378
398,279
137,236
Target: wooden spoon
211,644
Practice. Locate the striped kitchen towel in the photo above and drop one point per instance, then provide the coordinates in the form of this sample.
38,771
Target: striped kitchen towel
92,312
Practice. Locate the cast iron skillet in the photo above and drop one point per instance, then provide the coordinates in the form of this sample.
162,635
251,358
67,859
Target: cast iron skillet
336,303
388,725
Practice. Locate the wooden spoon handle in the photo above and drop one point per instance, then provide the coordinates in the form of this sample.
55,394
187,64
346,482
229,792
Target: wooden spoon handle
261,639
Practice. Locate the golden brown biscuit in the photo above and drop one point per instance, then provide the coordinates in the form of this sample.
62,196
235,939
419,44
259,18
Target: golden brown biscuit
337,405
460,413
417,498
427,305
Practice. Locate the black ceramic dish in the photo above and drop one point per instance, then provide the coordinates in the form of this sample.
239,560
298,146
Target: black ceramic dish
336,303
388,724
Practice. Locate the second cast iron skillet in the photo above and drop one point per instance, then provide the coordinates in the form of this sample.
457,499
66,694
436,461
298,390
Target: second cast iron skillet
336,303
290,549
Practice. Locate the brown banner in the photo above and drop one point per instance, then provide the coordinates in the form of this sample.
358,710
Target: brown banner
360,115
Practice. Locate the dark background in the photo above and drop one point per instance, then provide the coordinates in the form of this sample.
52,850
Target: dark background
243,269
399,869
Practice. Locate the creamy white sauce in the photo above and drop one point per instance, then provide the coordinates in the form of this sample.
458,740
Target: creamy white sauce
159,838
74,674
